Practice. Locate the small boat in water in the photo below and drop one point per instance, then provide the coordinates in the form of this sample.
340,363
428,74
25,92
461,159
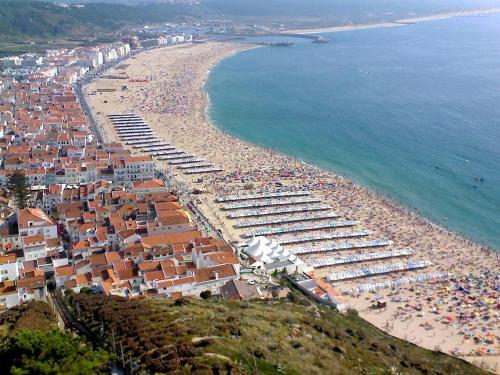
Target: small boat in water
321,40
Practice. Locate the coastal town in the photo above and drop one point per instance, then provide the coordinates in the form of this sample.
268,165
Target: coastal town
134,193
96,216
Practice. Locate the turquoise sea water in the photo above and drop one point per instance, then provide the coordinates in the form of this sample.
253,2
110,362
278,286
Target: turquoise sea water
412,111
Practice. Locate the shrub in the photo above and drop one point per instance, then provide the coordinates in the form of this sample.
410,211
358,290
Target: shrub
51,352
206,294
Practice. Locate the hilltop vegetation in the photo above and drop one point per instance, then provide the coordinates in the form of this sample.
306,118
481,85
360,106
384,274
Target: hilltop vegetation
31,18
31,343
34,315
292,336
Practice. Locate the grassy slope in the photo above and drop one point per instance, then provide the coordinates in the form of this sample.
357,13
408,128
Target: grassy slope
297,337
31,18
34,315
34,26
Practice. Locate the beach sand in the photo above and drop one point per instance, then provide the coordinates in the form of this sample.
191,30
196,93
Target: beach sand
401,22
165,87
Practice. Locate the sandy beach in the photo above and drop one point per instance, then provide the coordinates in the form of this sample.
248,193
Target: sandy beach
401,22
459,316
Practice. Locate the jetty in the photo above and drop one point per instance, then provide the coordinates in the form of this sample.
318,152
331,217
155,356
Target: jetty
314,38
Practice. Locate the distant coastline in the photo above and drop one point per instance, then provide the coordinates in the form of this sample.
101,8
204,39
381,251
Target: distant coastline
401,22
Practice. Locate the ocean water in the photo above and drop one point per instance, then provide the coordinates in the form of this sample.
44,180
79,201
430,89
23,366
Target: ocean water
411,111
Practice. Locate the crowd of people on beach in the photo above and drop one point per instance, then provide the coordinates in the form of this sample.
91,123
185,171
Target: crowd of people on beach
467,304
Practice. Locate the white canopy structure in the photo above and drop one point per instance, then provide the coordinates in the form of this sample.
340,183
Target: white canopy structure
267,251
270,255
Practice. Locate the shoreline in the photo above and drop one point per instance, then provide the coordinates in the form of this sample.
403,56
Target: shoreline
400,22
378,194
191,128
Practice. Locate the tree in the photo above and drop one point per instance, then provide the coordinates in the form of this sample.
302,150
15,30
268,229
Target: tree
50,353
19,187
206,294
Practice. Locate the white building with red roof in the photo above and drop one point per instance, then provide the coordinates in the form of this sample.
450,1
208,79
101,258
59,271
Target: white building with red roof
33,221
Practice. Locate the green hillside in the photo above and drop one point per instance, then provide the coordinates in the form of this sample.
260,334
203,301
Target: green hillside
30,18
35,315
31,343
292,336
